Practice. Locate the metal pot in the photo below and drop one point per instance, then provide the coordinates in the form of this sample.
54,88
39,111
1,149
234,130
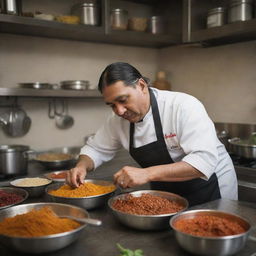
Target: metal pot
13,159
244,147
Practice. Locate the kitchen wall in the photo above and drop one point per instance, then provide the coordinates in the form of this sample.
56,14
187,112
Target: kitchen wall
222,77
30,59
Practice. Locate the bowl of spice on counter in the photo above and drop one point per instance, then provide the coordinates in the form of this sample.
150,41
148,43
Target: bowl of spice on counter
58,176
91,194
40,227
11,196
34,186
210,232
147,209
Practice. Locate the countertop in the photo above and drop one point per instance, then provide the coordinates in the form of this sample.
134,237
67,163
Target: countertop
101,241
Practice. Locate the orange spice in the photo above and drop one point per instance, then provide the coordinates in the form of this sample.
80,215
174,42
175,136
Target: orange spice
35,223
84,190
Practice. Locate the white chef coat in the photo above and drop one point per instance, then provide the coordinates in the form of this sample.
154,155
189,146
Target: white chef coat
189,134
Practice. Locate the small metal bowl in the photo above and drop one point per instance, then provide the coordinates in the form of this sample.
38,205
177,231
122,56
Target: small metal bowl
89,202
17,191
33,191
147,222
49,176
43,244
211,246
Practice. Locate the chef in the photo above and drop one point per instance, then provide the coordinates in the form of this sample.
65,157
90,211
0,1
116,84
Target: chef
169,134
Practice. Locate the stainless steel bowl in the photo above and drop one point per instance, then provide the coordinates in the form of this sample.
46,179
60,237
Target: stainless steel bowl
49,176
211,246
43,244
147,222
33,191
89,202
18,191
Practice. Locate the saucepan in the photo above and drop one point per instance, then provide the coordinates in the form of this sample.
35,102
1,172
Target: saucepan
244,147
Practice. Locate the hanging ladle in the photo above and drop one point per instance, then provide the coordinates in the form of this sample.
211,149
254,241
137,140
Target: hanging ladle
63,120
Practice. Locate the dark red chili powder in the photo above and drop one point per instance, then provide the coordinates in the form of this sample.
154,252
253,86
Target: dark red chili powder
209,226
146,204
9,198
61,175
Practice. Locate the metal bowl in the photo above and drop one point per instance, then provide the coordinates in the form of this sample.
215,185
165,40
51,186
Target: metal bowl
43,244
243,148
33,191
89,202
18,191
147,222
221,246
49,176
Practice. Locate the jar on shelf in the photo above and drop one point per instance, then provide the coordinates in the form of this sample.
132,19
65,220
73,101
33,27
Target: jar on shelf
156,25
216,17
119,19
240,10
161,81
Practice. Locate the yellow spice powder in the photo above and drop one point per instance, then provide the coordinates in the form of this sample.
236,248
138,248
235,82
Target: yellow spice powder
84,190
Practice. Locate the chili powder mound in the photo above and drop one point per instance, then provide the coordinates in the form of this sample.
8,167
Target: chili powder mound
7,198
209,226
146,204
61,175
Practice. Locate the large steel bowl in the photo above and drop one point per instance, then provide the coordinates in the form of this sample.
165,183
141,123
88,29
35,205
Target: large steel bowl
147,222
43,244
89,202
33,191
18,191
211,246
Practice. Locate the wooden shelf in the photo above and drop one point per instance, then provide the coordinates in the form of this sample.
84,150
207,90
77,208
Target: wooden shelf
13,92
229,33
53,29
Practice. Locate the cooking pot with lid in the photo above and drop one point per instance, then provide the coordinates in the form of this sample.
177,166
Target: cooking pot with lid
13,159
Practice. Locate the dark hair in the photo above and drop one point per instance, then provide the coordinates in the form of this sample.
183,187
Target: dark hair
119,71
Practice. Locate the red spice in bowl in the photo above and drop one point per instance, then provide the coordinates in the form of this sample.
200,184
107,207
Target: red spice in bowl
146,204
7,198
60,175
209,226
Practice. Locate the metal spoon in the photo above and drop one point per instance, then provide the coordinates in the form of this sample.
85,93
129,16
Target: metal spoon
90,221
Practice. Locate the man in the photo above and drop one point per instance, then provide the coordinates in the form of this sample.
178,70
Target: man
168,133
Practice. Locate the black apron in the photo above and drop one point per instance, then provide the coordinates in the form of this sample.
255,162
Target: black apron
196,191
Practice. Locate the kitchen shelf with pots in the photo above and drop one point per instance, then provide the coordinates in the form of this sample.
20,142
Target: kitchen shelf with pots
22,92
35,27
229,33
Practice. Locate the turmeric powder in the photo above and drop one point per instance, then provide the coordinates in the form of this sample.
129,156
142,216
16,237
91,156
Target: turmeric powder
84,190
36,223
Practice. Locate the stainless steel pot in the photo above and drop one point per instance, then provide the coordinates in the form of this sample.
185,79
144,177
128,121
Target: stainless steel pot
13,159
244,147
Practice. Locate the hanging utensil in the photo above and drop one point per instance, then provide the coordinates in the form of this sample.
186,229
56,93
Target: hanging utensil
63,120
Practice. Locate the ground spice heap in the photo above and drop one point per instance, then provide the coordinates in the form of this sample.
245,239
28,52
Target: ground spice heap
209,226
60,175
36,223
146,204
84,190
7,198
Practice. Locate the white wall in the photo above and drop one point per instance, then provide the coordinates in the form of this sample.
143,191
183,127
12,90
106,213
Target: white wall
30,59
222,77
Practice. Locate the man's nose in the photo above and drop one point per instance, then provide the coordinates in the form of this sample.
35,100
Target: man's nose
120,110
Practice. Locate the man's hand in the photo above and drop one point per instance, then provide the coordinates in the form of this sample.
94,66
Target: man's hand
75,177
130,176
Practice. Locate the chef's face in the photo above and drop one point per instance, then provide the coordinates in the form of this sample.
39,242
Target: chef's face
128,102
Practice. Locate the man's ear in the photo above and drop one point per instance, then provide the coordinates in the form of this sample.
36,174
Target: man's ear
143,85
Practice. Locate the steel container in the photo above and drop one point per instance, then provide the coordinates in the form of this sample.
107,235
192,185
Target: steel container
216,17
243,148
88,13
43,244
89,202
156,25
33,191
13,159
147,222
119,19
211,246
240,10
18,191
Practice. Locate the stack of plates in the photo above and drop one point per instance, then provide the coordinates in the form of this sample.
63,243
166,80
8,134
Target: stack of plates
74,84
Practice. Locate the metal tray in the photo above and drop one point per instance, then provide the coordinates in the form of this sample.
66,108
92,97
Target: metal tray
37,85
74,85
